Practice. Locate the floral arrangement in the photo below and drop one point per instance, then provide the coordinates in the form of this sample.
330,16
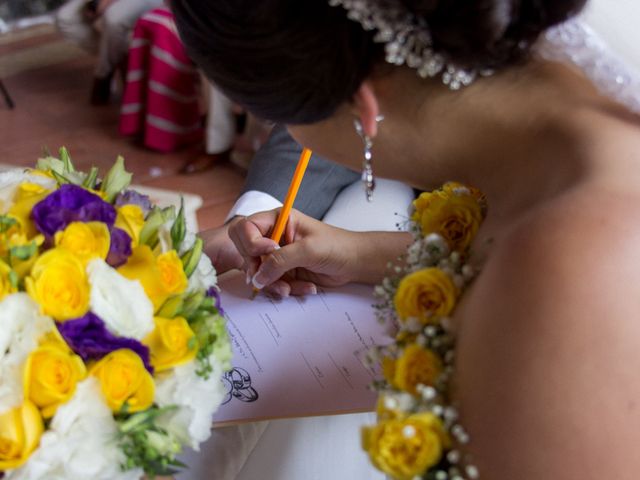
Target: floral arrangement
112,343
418,435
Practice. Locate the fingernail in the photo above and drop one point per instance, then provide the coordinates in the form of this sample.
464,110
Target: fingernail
311,290
277,247
256,283
248,278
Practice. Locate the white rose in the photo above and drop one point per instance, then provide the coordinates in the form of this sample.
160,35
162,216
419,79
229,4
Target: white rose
11,179
197,399
204,276
22,327
80,443
121,303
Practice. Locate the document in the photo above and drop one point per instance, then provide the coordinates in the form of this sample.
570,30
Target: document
299,356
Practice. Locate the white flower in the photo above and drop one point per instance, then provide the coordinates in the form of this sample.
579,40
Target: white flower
22,325
121,303
80,443
197,399
11,179
204,276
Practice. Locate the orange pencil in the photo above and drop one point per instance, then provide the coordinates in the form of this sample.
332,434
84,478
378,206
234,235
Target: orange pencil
283,216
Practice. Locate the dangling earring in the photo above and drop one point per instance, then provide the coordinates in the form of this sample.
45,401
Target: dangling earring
367,170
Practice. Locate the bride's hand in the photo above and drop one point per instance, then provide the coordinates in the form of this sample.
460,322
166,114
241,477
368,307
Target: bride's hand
313,253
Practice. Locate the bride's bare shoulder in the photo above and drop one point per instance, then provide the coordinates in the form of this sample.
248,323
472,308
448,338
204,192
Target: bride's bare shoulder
548,344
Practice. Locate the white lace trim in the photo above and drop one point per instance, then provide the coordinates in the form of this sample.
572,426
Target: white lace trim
574,42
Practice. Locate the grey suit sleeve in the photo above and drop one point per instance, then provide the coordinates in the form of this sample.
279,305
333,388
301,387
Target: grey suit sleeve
273,165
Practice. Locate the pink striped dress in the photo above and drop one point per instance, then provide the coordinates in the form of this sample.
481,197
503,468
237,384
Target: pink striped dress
161,96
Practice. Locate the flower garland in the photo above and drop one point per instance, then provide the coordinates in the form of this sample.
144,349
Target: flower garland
113,343
418,429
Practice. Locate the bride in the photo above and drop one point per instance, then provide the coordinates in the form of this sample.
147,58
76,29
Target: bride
546,374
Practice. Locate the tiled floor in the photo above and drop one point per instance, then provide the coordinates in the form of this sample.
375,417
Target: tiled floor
52,109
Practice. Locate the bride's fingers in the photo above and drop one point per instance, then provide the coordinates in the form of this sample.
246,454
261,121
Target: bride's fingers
301,287
281,261
279,288
249,240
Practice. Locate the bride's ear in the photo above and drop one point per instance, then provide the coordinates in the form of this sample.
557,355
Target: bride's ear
366,107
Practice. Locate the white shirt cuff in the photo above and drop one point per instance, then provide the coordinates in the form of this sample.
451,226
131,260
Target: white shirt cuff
252,202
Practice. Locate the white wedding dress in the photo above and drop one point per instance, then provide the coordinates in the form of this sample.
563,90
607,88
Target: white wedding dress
328,448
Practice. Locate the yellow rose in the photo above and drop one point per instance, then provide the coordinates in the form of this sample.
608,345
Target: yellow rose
131,219
85,240
20,432
451,213
58,283
160,277
6,286
172,273
406,448
124,380
26,196
51,374
425,293
416,366
171,343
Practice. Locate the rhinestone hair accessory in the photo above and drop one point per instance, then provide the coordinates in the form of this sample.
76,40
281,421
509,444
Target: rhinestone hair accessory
367,170
406,39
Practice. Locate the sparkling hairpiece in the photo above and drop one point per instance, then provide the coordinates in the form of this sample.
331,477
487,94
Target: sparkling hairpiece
406,39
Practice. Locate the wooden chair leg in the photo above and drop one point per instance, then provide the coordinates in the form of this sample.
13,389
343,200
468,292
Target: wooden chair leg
7,97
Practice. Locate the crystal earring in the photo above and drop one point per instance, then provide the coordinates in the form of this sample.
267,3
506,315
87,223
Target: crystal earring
367,169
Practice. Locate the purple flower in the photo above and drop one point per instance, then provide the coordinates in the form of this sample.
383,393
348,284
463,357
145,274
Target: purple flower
213,292
131,197
68,204
120,249
88,337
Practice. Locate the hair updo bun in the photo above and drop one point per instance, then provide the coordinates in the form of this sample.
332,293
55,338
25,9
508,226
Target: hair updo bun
295,62
489,33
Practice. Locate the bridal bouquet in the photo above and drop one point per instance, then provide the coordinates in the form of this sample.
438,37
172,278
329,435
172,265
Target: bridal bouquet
112,342
418,434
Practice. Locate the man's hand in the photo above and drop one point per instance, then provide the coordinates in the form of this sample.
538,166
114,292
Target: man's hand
221,250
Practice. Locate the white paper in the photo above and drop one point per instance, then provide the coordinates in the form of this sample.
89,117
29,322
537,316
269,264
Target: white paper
299,356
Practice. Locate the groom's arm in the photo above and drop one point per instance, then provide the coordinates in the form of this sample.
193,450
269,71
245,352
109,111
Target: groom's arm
271,171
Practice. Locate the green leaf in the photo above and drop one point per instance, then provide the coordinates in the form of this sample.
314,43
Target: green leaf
6,222
179,228
51,164
191,258
23,252
60,178
90,181
116,181
171,308
66,160
157,217
13,279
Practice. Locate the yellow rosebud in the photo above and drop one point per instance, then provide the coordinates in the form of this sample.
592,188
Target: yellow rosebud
85,240
124,380
426,293
406,448
171,343
451,213
20,432
131,219
51,374
25,198
160,277
59,284
416,366
6,286
172,274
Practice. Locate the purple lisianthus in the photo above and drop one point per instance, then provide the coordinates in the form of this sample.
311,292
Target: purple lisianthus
131,197
120,248
70,203
214,293
88,337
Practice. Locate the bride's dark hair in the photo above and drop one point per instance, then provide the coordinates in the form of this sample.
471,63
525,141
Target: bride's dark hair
295,61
